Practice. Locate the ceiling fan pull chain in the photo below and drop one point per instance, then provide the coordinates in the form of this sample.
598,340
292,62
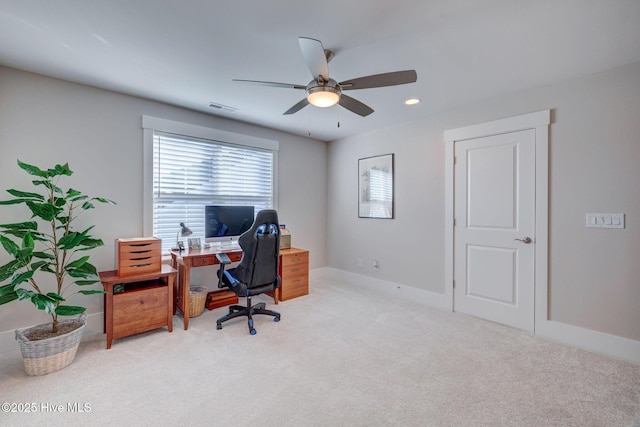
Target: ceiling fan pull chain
338,110
309,127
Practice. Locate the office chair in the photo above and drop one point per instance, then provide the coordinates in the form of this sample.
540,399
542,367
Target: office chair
257,271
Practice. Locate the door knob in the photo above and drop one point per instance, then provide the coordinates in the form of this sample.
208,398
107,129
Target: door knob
526,240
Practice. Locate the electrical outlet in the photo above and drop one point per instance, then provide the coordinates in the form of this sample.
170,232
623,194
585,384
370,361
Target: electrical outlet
376,265
359,262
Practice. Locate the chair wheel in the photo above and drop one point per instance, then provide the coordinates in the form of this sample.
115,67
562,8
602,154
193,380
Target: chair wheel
276,319
218,327
252,331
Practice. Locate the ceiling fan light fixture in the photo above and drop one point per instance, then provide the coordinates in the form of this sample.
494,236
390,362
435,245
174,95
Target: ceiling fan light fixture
323,96
412,101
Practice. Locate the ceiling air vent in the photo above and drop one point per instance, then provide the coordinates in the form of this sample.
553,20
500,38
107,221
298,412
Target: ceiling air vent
222,107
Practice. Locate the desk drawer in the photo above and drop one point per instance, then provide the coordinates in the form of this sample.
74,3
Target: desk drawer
202,261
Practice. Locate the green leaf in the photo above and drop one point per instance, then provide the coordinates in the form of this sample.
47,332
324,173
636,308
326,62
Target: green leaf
45,211
10,246
25,253
36,265
13,201
54,296
86,282
22,277
24,293
43,255
26,195
91,243
8,269
69,310
7,289
73,193
27,225
59,202
89,269
8,298
61,170
103,200
33,170
77,263
44,302
77,197
91,292
87,205
27,242
80,273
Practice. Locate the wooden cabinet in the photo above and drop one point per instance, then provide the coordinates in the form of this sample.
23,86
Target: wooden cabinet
294,272
137,303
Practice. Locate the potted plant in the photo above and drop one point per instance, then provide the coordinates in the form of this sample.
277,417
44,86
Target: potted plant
47,264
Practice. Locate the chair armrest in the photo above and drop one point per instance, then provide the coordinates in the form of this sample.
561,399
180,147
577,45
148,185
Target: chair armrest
223,258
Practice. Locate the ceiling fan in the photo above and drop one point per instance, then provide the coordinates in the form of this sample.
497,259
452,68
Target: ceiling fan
324,91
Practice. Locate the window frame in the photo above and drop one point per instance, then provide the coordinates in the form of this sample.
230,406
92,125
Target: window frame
155,124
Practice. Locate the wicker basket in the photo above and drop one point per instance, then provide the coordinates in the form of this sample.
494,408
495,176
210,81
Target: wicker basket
197,298
45,356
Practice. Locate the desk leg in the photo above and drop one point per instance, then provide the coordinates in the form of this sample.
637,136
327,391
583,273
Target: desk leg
185,279
171,305
176,283
108,310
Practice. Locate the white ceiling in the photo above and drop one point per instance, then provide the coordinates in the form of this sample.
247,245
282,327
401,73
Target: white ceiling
186,52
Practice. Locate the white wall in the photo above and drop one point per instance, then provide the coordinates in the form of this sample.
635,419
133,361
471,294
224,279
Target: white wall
594,155
44,121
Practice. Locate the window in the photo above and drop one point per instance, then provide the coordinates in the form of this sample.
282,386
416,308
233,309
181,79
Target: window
189,172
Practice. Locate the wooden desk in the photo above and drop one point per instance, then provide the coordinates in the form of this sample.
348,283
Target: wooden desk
185,260
140,303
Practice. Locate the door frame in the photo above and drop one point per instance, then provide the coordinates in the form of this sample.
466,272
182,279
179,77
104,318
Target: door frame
539,121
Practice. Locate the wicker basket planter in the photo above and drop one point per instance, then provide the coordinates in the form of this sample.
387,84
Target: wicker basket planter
45,356
197,298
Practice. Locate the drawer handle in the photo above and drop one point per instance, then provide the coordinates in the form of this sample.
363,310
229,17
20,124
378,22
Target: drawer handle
142,302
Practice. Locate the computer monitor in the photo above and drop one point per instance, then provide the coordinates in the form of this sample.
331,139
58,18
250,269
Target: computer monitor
226,223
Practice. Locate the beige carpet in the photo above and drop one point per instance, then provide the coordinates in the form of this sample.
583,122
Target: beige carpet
341,356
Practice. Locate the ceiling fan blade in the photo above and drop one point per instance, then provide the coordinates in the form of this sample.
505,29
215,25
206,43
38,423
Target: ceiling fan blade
380,80
314,56
272,84
299,106
355,106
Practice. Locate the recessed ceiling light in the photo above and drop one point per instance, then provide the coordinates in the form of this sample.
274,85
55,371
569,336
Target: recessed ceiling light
412,101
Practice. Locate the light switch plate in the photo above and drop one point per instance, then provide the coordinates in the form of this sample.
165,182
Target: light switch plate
605,220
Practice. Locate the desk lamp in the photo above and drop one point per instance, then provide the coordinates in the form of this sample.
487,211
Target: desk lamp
183,232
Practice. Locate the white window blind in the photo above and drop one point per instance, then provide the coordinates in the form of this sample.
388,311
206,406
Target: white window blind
189,173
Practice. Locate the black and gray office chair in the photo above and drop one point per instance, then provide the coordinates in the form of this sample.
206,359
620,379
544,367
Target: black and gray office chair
257,271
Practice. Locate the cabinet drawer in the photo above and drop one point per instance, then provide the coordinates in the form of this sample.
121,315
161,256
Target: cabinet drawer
295,258
140,310
294,270
294,286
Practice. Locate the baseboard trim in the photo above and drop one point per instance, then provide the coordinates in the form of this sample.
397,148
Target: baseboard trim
586,339
390,289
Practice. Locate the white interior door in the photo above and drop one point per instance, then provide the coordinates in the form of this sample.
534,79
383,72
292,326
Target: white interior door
494,228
